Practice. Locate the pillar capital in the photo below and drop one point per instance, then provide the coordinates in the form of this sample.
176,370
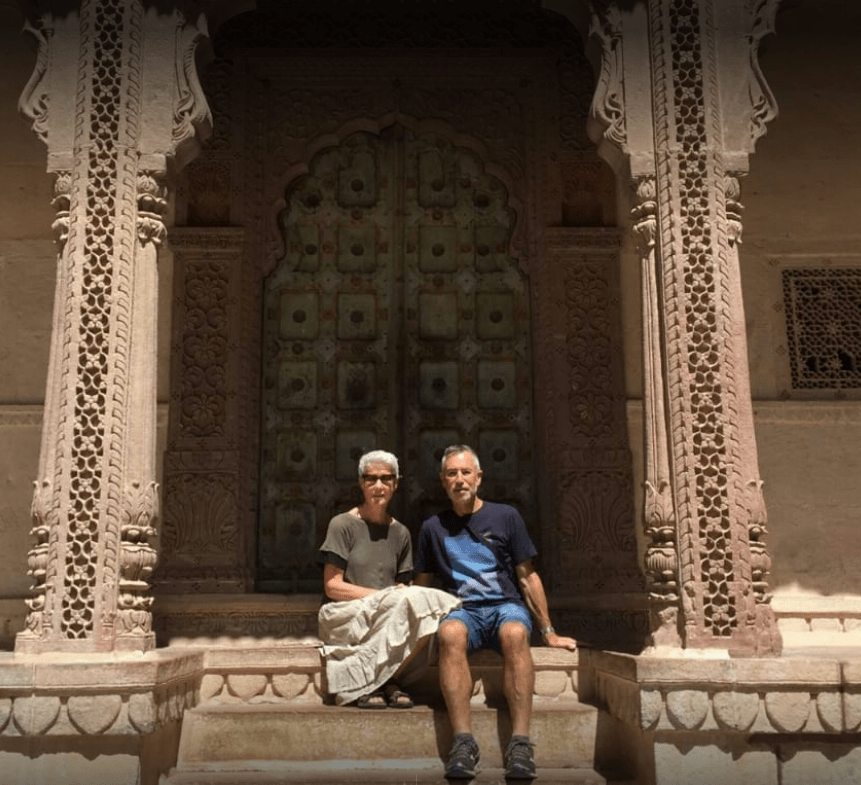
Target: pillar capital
158,69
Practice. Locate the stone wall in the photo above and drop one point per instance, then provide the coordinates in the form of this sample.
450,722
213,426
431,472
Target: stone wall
801,200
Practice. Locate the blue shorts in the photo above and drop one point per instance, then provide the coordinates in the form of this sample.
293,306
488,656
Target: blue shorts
483,620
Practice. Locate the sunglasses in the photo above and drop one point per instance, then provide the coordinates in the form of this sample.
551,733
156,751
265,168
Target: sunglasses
373,479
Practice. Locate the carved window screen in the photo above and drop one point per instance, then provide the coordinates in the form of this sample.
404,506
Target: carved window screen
823,326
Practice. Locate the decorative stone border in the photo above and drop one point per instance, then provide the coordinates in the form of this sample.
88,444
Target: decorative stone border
294,674
273,675
767,695
71,695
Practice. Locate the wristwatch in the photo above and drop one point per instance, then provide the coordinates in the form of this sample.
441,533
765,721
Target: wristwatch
545,631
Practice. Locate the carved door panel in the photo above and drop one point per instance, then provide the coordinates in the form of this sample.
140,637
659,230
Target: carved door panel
395,320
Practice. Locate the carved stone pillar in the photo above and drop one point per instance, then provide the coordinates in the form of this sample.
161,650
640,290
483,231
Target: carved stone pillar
718,513
115,99
673,124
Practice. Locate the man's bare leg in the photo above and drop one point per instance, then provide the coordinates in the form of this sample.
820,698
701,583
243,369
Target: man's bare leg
455,679
518,675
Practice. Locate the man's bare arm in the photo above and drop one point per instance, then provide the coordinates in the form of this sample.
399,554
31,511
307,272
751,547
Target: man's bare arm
423,579
533,592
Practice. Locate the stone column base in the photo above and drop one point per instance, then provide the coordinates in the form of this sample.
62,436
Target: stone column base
110,719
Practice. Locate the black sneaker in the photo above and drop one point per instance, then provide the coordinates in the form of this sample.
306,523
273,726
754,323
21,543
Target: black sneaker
519,759
462,763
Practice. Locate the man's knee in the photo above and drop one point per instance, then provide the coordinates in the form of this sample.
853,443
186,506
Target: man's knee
453,635
513,637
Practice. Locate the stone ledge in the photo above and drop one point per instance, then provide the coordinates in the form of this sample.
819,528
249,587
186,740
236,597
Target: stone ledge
233,620
96,694
768,695
294,674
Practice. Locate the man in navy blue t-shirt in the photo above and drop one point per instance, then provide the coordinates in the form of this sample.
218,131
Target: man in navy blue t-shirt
482,553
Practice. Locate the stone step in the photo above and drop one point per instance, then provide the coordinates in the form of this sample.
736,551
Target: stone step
382,773
563,732
263,718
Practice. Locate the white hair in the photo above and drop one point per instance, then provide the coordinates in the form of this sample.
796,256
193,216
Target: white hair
458,449
379,456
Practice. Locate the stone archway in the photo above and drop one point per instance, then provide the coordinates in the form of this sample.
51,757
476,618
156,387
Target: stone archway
521,110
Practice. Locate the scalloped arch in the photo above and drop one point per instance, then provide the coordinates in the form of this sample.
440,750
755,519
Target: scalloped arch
275,244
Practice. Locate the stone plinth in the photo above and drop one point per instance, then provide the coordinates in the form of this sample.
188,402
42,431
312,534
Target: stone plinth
102,719
763,721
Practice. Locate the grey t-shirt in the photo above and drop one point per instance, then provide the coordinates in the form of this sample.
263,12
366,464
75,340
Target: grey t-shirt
371,554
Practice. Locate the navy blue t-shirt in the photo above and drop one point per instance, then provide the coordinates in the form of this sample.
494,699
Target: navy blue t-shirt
475,555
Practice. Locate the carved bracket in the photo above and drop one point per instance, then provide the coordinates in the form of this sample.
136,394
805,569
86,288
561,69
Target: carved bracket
34,100
762,101
607,113
192,118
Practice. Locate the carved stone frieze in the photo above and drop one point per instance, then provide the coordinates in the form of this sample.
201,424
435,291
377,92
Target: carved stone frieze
591,550
98,697
207,263
677,695
203,539
215,626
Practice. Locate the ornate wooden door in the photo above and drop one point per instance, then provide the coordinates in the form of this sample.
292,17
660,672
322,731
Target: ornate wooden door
395,320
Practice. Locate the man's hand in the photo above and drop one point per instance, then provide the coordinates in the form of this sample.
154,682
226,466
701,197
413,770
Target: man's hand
555,641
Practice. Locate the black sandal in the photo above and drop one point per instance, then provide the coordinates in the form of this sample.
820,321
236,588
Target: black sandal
373,700
397,698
